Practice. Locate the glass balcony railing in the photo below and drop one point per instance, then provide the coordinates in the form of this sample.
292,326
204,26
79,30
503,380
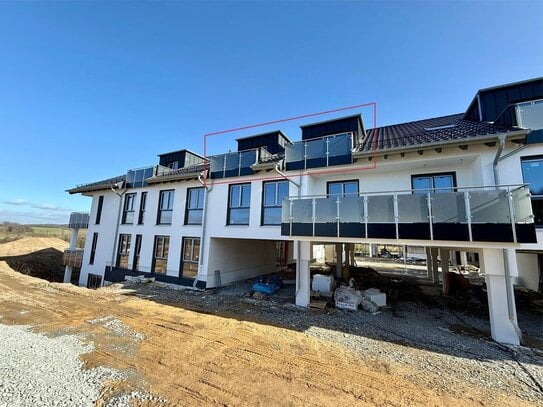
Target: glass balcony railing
530,115
235,164
470,214
79,220
321,152
73,258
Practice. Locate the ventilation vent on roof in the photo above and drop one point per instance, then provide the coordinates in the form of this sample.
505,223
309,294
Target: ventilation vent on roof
447,126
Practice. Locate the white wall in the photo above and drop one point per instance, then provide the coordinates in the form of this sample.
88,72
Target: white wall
528,270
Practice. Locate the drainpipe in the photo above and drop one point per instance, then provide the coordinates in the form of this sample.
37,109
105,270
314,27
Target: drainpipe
204,217
120,195
501,145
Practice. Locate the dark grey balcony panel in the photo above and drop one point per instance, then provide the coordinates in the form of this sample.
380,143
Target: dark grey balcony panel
451,231
418,231
316,162
526,233
285,229
302,229
295,165
340,160
492,232
352,229
326,229
382,230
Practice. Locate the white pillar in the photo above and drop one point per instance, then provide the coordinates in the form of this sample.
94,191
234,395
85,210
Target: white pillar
503,317
464,258
444,255
429,272
302,253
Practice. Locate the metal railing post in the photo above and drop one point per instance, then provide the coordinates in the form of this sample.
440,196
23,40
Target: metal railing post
512,213
430,214
338,216
313,213
467,205
396,215
290,204
327,151
365,197
305,156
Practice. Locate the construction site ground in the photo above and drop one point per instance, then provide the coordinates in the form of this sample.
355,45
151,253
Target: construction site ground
170,346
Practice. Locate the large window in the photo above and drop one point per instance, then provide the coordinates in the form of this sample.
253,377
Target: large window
239,202
128,212
442,182
272,199
195,206
137,251
532,172
143,202
93,248
124,251
342,188
160,254
99,209
191,255
165,207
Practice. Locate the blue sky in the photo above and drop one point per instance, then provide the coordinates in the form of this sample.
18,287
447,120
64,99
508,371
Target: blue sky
89,90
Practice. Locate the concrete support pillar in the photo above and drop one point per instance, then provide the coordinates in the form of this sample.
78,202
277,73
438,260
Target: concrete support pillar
73,246
444,255
428,262
373,250
435,265
464,258
302,254
339,259
501,301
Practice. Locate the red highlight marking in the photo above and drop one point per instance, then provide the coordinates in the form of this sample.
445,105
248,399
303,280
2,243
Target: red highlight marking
374,143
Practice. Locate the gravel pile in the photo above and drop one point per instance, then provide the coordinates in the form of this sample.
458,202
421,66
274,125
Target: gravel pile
37,370
410,333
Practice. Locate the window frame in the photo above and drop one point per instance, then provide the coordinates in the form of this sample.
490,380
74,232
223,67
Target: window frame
160,210
123,249
163,238
229,209
137,252
99,210
342,182
188,209
533,197
126,211
192,260
94,245
143,204
432,175
279,205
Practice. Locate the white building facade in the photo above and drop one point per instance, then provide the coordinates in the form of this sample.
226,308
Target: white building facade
465,182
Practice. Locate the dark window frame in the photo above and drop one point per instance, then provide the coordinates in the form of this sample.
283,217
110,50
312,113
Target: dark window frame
192,261
161,210
432,175
263,206
137,252
94,244
188,209
143,203
229,207
123,249
164,238
99,209
129,200
535,198
343,182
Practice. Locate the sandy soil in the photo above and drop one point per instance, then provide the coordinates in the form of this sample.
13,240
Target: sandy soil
192,358
28,245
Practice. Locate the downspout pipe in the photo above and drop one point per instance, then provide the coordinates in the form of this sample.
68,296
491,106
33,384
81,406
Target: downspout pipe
501,145
115,238
208,189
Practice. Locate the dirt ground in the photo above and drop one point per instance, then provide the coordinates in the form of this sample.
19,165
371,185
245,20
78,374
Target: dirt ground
194,358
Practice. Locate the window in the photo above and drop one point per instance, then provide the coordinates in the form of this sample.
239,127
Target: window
137,251
143,201
124,251
239,201
342,188
128,212
532,172
174,165
160,255
273,193
443,182
195,206
191,256
99,210
165,207
93,248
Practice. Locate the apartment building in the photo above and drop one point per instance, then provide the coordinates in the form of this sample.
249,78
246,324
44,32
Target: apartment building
471,181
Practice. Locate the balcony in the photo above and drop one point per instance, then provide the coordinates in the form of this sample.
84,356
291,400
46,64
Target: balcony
236,164
530,115
322,152
468,214
72,258
79,220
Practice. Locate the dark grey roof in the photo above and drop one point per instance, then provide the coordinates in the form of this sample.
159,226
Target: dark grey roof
438,129
98,185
